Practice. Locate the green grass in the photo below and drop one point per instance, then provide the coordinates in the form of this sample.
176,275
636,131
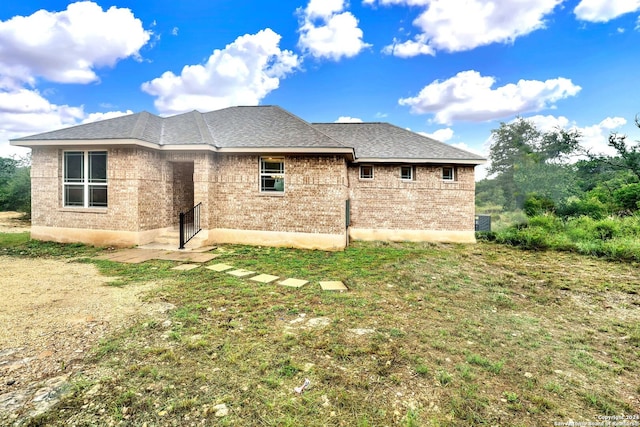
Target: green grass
462,335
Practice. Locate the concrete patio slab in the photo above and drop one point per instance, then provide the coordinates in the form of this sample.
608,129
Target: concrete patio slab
219,267
333,285
186,267
241,273
264,278
293,283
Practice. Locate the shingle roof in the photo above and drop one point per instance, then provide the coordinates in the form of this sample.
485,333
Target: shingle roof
261,127
386,141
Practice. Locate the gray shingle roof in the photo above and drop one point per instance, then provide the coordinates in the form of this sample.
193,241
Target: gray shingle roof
261,127
386,141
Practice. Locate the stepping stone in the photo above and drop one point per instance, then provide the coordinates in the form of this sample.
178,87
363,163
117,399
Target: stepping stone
186,267
264,278
293,283
219,267
334,285
241,273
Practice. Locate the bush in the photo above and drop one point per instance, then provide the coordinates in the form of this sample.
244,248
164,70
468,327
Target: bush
627,197
538,205
548,222
591,207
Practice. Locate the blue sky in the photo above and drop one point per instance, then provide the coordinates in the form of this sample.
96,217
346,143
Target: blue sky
451,69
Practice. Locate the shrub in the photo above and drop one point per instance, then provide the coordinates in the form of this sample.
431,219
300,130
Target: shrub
627,197
535,204
606,229
548,222
591,207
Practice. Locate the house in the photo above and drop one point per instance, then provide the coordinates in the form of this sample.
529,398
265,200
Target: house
260,175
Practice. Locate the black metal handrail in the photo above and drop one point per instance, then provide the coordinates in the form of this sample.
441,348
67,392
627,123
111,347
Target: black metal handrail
189,224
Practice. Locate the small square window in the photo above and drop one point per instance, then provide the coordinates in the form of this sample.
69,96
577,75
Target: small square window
448,173
366,172
406,173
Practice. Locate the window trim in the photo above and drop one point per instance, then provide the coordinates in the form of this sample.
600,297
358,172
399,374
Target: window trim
262,173
453,174
412,170
85,180
366,178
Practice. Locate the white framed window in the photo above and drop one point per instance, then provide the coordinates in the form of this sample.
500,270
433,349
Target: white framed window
448,173
407,173
272,174
85,179
366,172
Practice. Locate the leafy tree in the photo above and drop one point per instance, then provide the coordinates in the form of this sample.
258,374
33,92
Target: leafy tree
15,184
525,159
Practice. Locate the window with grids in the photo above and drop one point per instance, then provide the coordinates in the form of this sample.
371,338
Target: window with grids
85,179
406,173
366,172
272,174
448,173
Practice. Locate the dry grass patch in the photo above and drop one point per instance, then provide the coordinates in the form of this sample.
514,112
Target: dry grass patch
426,335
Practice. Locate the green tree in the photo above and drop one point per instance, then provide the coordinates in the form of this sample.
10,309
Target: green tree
527,160
15,184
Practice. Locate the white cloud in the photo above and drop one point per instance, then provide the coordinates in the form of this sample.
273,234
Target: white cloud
459,25
604,10
242,73
471,97
442,135
594,138
327,31
67,46
347,119
25,112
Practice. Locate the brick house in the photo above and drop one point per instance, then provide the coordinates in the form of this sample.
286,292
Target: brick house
260,174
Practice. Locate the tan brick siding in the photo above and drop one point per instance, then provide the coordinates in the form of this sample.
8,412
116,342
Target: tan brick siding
146,190
426,203
313,200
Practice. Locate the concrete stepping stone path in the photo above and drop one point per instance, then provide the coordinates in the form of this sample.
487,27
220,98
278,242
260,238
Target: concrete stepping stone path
333,285
264,278
293,283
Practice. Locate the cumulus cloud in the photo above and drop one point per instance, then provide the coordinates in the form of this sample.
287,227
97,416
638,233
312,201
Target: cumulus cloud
604,10
328,31
242,73
470,96
347,119
67,46
459,25
25,112
594,138
442,135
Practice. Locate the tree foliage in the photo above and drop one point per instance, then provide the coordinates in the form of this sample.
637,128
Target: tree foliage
526,160
15,184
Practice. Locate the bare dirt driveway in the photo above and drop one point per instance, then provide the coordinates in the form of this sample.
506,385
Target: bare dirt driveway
52,312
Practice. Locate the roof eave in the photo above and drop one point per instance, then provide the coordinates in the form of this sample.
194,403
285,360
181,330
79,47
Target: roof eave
420,160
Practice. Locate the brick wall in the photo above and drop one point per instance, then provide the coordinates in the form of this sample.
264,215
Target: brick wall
144,186
426,203
313,200
46,183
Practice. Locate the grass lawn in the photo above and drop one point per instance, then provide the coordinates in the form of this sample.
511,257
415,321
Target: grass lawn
427,335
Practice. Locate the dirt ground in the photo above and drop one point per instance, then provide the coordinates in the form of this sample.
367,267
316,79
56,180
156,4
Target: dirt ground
52,313
13,222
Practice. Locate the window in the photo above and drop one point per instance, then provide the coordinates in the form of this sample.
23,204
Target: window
272,174
448,173
366,172
406,173
85,179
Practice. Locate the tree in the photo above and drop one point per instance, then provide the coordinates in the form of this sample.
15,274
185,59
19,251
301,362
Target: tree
15,184
525,159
